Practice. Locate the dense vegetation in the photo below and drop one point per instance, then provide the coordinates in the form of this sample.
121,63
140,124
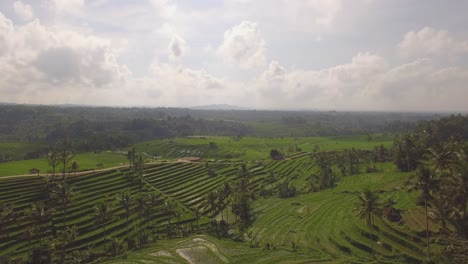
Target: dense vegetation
340,199
104,128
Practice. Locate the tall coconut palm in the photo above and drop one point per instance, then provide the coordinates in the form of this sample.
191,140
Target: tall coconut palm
368,205
64,193
131,157
456,187
29,234
441,156
65,155
102,214
68,236
7,215
40,214
169,209
227,190
212,197
53,160
426,182
126,200
143,209
153,199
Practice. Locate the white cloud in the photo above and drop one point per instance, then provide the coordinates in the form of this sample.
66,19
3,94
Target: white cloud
183,86
430,41
366,83
289,15
177,47
327,88
243,45
23,11
165,8
39,60
65,6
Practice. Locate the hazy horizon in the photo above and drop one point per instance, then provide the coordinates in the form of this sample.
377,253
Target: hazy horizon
365,55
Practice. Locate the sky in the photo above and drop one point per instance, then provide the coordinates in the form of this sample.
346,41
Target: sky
394,55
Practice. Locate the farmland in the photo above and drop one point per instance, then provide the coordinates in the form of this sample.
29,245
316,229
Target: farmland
234,202
253,148
86,161
323,225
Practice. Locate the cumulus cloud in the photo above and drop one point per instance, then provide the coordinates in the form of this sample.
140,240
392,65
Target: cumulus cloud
37,59
302,16
183,86
430,41
65,6
165,8
321,88
177,47
368,82
243,45
23,11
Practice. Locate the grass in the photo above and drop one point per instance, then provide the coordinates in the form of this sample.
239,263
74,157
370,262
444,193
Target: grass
86,161
323,226
252,148
18,150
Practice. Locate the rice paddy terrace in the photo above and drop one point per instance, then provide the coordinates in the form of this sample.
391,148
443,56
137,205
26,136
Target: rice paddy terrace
253,148
321,226
315,227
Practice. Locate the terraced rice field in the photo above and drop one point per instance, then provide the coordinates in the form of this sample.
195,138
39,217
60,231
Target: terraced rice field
185,183
323,226
18,150
326,223
252,148
86,161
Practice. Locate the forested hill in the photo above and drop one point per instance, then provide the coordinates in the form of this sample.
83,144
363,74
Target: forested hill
94,128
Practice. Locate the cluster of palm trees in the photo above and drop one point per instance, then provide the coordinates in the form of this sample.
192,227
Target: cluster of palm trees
62,156
441,176
235,197
334,164
443,181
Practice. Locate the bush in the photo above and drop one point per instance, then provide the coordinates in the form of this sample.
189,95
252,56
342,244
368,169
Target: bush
276,155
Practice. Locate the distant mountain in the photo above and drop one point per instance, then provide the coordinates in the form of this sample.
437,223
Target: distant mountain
218,107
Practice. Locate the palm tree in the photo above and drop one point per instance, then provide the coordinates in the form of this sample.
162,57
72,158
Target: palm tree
153,202
40,214
197,216
102,214
226,193
65,155
7,215
212,196
459,181
126,200
53,160
143,210
131,157
68,236
368,205
169,208
29,234
441,156
426,183
63,192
